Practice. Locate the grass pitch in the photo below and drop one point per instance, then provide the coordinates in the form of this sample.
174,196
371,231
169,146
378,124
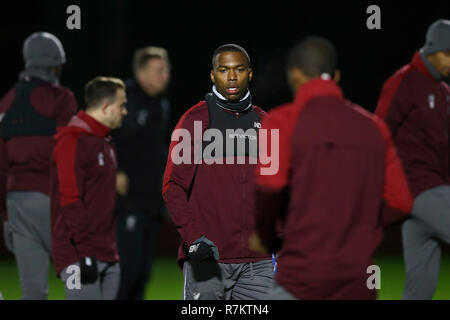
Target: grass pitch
167,280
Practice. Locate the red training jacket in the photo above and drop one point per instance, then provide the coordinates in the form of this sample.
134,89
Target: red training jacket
416,109
83,192
337,163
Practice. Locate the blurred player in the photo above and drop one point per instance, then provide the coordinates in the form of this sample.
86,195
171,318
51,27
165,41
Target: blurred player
337,163
415,103
29,115
211,203
142,145
83,194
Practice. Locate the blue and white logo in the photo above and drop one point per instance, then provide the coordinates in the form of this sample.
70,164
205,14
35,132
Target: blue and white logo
431,100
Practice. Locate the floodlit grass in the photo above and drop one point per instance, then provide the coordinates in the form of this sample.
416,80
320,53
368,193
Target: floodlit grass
167,280
393,278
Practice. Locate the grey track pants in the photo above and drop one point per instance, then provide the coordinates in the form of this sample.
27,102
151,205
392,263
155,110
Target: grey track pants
29,230
209,280
105,288
422,233
277,292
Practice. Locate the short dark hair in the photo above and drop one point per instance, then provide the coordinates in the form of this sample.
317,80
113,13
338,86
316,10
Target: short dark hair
313,55
100,89
143,55
230,47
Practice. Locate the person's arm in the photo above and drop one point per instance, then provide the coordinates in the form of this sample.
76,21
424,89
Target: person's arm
177,182
70,158
5,104
3,178
396,193
395,103
271,193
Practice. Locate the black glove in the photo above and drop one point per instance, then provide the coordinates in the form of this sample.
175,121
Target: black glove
89,271
202,249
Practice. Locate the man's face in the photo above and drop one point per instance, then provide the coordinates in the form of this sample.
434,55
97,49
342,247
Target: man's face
115,111
154,77
231,75
441,61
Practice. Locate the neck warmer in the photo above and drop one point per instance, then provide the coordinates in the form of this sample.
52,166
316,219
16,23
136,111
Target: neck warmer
436,75
234,106
40,73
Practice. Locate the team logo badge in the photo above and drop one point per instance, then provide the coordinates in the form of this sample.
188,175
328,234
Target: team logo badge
101,161
431,100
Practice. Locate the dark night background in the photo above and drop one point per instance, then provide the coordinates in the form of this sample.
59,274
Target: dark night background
191,30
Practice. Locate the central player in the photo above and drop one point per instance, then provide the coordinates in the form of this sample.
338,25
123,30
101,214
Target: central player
212,205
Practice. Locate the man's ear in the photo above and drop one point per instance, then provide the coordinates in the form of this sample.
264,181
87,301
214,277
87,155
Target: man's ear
211,75
337,76
250,75
104,107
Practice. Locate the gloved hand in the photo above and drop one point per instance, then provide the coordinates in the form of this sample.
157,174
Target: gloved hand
7,236
88,269
202,249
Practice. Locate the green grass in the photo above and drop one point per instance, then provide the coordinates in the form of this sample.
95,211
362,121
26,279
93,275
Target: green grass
393,278
167,280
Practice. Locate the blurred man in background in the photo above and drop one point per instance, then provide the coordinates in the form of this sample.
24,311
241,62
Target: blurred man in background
337,163
29,115
211,203
83,194
142,145
415,103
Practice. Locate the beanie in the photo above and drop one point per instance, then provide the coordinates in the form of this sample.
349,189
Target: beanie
438,37
43,50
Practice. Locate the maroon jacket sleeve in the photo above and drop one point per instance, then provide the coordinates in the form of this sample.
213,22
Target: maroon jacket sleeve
177,181
395,102
5,103
71,160
68,108
396,192
3,178
271,193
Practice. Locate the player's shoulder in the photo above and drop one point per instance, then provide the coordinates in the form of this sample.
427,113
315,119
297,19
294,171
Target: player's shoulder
56,89
52,95
403,76
198,112
280,115
259,111
66,139
371,117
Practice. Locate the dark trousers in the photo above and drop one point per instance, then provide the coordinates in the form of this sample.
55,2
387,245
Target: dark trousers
137,235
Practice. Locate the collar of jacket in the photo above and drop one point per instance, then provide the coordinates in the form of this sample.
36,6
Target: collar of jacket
93,126
418,64
317,88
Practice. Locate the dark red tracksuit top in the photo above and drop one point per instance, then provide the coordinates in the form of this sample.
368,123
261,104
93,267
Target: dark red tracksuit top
215,200
416,108
83,191
25,161
337,163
